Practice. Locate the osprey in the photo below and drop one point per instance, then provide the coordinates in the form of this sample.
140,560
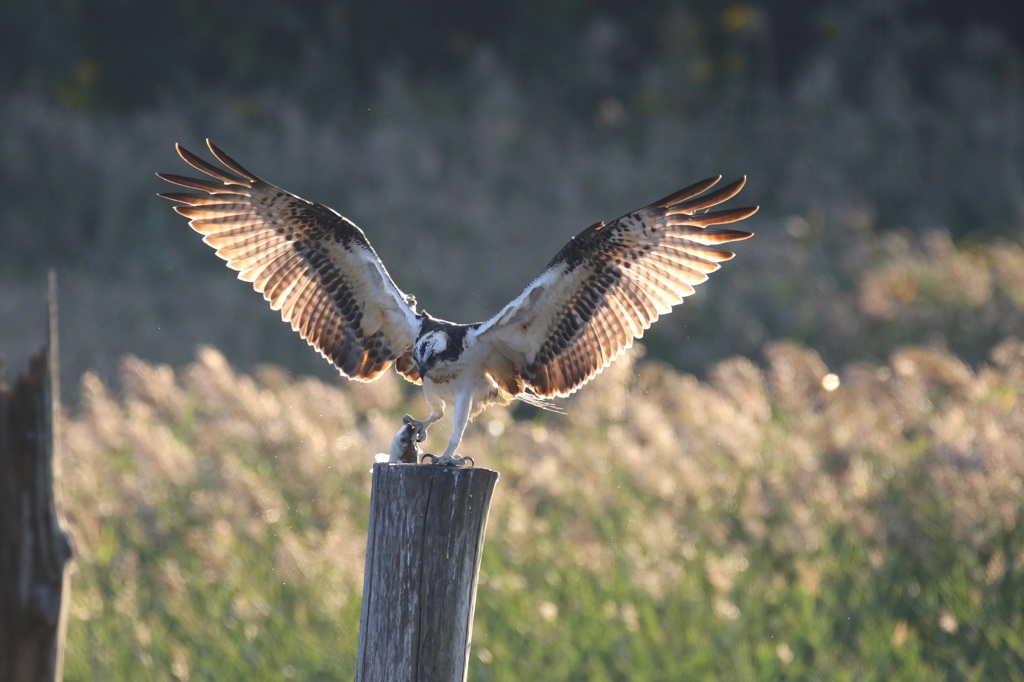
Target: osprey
600,291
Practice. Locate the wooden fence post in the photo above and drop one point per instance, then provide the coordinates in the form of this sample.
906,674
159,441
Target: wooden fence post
34,550
423,553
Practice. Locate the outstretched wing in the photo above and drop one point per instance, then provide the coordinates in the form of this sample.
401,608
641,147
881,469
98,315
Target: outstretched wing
310,263
609,284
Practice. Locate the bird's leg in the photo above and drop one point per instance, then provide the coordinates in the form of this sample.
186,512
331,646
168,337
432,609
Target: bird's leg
421,426
461,418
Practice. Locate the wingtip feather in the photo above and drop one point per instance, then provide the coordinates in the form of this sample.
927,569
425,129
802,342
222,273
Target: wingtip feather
205,167
688,192
230,162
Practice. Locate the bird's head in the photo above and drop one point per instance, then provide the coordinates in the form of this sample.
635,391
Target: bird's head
429,349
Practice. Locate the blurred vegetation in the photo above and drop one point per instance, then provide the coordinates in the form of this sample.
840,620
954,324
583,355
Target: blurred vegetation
866,162
722,509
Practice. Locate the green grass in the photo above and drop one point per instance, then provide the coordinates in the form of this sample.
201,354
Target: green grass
754,526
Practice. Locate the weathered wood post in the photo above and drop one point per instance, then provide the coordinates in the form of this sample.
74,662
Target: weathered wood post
34,550
423,551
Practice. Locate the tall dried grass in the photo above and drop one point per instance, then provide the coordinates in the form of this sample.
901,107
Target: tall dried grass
862,517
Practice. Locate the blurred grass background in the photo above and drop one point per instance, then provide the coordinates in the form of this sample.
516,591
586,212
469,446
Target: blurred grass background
719,509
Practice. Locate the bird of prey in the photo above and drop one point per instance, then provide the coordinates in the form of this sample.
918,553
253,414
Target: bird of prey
601,291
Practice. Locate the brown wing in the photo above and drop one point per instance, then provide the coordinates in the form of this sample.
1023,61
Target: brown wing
610,283
310,263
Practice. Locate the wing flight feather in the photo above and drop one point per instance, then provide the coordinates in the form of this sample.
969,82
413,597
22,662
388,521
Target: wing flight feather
610,283
313,265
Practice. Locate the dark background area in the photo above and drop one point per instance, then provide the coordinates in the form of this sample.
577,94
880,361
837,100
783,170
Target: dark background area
120,55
